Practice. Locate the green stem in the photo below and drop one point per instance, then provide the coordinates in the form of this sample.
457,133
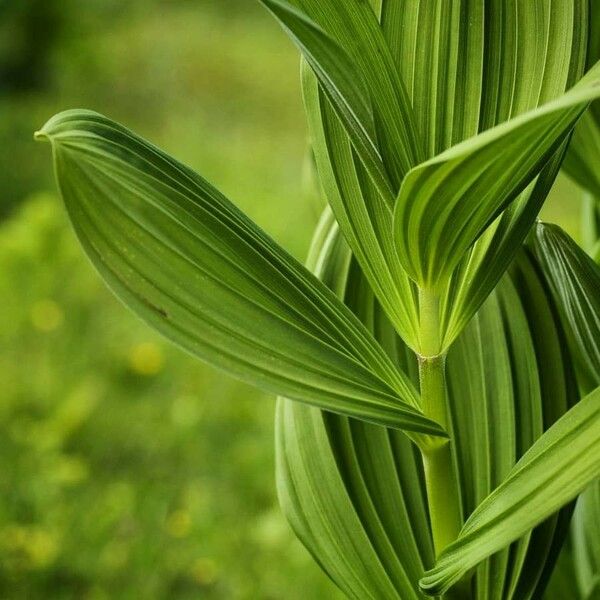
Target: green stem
440,478
442,489
429,323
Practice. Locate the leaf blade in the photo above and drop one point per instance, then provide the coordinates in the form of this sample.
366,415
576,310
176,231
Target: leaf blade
194,267
357,502
455,196
574,279
554,470
346,49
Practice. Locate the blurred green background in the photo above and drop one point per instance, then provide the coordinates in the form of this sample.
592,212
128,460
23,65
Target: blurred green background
127,469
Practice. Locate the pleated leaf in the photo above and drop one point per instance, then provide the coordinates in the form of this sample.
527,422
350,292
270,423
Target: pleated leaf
364,217
461,64
354,495
553,471
586,541
464,63
509,379
344,45
575,281
445,204
582,162
353,492
193,266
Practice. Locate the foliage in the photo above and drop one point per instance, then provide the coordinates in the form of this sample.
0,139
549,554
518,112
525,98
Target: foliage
435,164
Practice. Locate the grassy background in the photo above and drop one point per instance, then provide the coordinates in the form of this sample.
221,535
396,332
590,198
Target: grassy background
130,470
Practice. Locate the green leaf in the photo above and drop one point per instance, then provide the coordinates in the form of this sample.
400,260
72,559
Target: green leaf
449,55
352,490
558,393
348,94
586,540
363,215
463,62
582,162
190,264
575,281
438,49
552,472
508,379
344,45
445,204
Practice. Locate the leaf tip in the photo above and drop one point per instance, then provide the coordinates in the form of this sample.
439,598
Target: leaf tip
436,582
40,136
65,122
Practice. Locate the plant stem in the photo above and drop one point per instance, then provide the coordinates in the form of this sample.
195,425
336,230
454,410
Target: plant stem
429,323
440,479
442,489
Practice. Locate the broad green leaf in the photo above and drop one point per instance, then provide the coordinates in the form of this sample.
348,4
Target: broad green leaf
489,46
508,380
439,51
190,264
552,472
445,204
353,494
462,62
558,390
575,281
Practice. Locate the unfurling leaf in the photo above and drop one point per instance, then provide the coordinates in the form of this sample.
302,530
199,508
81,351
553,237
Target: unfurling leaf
445,204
